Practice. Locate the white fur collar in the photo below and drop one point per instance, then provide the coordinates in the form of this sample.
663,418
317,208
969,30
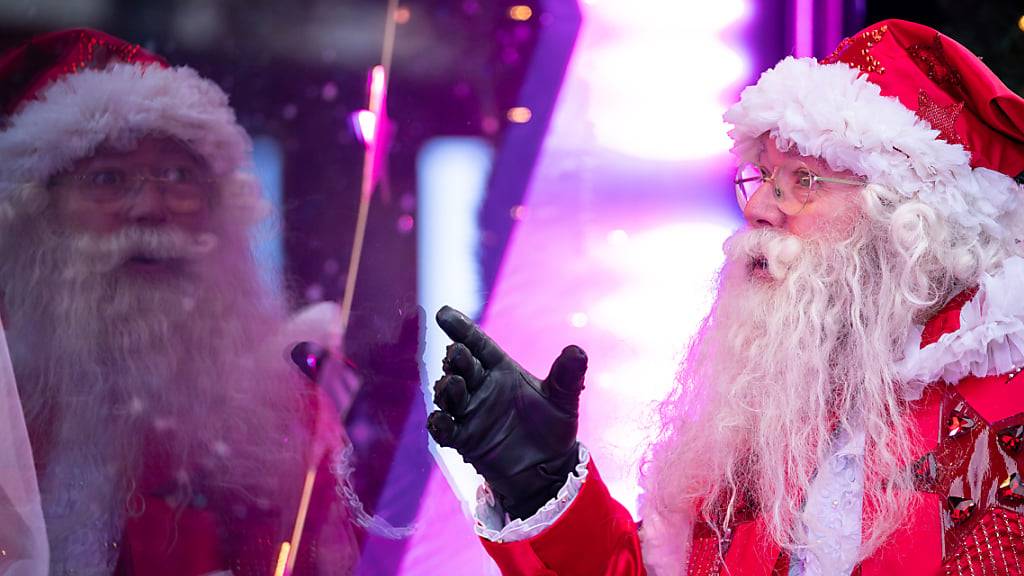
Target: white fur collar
990,339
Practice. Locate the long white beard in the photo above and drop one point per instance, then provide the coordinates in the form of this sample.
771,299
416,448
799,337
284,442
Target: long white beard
118,372
781,362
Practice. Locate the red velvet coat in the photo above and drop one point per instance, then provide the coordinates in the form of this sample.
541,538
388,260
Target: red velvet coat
969,519
211,536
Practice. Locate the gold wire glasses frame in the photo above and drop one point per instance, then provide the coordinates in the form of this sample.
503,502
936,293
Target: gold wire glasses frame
184,190
792,195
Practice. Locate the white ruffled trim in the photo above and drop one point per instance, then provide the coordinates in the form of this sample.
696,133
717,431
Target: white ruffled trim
79,111
831,111
990,340
492,522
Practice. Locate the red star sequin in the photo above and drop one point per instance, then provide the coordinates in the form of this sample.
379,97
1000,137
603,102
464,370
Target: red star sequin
97,53
994,546
931,58
856,51
942,118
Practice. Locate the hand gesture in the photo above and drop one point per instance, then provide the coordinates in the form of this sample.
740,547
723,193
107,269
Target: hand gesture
518,431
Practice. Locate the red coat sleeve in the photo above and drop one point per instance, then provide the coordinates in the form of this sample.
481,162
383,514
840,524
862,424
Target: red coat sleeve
596,536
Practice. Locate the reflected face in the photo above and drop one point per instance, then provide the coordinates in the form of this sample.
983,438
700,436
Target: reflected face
829,208
160,182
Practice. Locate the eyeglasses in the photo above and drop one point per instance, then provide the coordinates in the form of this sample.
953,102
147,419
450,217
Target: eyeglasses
793,190
184,189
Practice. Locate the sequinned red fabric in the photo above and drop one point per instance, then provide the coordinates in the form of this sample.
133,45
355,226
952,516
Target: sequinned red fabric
994,546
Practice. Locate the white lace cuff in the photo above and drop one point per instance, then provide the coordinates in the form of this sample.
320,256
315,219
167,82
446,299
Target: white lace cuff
493,523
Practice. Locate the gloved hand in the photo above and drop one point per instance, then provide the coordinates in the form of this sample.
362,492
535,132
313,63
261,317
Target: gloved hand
519,432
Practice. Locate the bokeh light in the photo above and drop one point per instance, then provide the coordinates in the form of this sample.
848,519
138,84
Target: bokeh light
519,114
520,12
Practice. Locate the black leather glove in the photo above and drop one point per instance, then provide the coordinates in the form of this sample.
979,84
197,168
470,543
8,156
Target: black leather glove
519,432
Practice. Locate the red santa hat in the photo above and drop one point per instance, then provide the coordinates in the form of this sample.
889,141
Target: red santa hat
904,106
63,94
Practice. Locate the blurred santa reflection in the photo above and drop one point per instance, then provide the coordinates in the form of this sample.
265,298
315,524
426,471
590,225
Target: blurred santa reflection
169,433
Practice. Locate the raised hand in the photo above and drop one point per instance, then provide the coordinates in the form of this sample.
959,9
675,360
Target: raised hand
518,431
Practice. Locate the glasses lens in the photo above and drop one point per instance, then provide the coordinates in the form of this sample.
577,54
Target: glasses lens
104,185
749,178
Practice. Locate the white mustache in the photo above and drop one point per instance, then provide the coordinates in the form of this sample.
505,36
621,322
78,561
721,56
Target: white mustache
103,254
779,251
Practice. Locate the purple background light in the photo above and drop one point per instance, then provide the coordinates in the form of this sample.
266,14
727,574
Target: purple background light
655,75
618,239
626,214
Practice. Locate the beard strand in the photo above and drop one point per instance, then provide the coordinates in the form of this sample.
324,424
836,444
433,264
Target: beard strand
120,372
800,342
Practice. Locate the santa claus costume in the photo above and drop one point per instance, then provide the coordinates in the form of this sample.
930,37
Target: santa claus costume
939,142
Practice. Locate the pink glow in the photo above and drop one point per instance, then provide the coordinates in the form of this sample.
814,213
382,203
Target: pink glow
405,223
377,88
369,122
658,75
632,305
446,543
621,267
803,24
628,275
366,126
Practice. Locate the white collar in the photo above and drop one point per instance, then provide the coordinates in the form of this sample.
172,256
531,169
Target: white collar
990,339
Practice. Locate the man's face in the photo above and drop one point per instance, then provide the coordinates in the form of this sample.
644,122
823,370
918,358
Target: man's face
785,204
158,183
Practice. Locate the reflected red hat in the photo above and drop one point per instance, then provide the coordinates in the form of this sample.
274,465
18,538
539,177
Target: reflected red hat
30,68
905,106
65,93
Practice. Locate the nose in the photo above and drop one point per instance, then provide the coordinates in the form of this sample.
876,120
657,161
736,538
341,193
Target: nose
761,210
147,206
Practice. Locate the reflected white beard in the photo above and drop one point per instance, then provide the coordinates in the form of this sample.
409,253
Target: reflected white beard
112,366
776,367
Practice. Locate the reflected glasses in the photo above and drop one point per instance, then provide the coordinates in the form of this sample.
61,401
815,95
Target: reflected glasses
184,190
